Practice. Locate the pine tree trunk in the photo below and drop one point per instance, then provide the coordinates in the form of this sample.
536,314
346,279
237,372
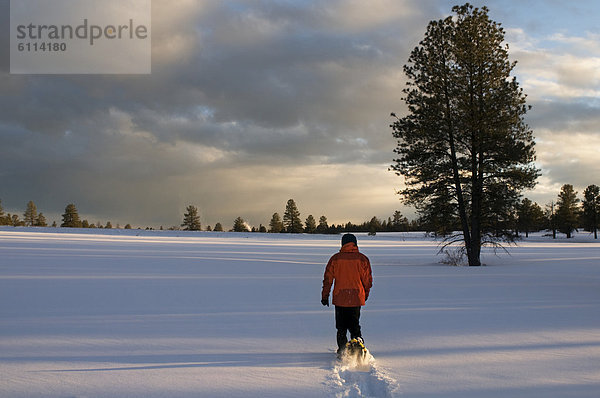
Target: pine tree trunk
476,201
475,252
475,260
462,211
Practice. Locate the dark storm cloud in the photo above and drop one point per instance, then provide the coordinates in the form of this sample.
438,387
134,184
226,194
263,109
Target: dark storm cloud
234,86
261,66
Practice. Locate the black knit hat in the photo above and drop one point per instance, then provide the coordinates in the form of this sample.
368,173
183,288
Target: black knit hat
347,238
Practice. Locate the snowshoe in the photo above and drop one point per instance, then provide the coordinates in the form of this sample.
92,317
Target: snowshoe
356,348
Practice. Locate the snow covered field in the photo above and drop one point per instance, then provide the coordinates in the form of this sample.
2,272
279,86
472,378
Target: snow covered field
175,314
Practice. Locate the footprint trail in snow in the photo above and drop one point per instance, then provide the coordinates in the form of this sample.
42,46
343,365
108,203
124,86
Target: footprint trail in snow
361,378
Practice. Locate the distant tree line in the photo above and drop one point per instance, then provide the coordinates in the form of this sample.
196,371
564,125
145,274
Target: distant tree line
31,218
292,223
565,215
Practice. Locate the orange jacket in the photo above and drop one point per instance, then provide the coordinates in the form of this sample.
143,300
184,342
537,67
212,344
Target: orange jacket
351,271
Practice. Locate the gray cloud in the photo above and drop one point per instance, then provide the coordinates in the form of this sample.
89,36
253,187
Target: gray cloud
580,115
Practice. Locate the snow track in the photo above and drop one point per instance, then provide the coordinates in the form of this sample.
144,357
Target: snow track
355,379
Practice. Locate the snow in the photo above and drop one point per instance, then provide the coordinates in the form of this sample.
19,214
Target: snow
130,313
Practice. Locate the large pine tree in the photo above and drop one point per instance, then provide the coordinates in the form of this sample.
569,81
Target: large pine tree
463,147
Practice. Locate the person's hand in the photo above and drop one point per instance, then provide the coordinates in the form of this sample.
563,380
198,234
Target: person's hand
325,301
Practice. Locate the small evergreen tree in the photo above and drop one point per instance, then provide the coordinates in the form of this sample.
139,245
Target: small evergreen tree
208,228
108,225
262,229
239,225
387,225
323,227
591,209
191,219
128,226
275,225
530,217
71,217
374,225
399,222
40,221
291,218
218,227
15,221
30,214
567,212
310,225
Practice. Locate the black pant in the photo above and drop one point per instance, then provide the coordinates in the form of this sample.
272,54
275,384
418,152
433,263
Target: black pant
347,319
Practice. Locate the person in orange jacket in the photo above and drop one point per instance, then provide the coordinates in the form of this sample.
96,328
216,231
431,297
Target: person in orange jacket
351,271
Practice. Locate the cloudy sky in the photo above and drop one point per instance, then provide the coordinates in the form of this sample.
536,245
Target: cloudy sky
251,103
